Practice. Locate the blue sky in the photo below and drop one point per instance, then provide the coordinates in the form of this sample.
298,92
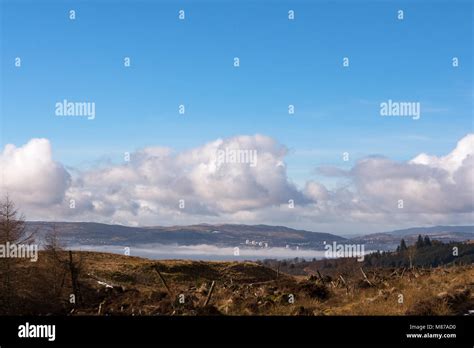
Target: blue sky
282,62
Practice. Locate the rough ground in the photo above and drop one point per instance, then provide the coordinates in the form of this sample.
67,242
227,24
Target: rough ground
112,284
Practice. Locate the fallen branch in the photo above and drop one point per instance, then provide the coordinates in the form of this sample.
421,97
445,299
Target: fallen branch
163,281
100,281
259,283
365,277
320,277
343,281
345,285
100,307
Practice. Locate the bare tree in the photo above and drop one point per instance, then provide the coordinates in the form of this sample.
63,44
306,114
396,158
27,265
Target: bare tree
53,243
12,231
75,268
58,264
53,246
12,224
62,264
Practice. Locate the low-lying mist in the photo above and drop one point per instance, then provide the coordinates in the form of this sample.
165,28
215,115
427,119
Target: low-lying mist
203,252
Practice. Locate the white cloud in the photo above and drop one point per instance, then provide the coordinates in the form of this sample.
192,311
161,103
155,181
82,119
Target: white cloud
147,190
426,184
151,185
31,175
451,162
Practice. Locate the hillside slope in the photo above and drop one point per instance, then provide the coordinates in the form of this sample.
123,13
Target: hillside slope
109,284
88,233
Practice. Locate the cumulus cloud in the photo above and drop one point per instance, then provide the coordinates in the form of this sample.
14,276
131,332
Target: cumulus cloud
426,184
152,185
452,161
31,174
157,179
149,188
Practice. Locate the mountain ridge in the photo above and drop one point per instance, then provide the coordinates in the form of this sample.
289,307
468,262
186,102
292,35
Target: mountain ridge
84,233
94,233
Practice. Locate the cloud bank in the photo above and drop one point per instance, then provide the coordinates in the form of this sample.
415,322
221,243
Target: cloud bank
160,186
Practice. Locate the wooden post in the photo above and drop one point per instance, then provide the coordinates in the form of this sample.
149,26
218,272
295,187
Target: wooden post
74,275
210,293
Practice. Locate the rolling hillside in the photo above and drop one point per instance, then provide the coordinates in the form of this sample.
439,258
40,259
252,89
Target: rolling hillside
87,233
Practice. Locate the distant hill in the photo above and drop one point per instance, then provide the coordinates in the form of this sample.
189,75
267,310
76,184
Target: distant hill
435,230
390,240
231,235
89,233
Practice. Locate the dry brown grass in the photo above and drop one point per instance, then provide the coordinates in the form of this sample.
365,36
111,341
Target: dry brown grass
416,289
241,289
